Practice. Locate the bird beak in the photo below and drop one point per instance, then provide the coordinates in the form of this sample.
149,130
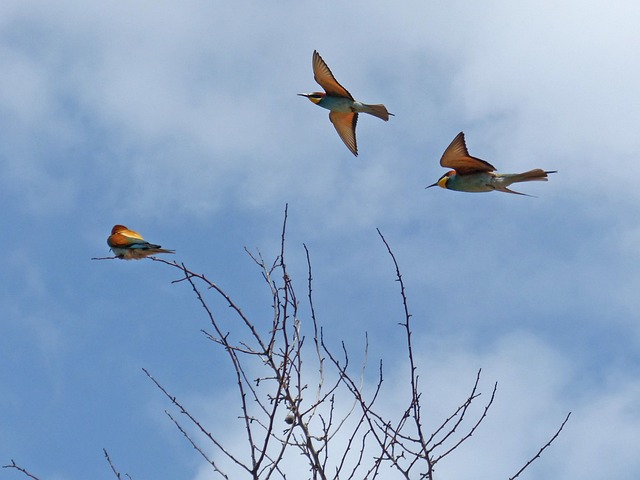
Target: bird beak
434,185
304,94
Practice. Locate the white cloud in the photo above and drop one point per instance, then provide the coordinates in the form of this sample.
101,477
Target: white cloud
536,389
537,386
192,116
183,120
605,427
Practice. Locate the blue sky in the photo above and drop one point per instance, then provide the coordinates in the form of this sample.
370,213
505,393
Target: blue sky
181,121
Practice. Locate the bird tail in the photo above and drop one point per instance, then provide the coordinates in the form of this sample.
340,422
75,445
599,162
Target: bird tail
152,249
379,111
506,179
162,250
530,176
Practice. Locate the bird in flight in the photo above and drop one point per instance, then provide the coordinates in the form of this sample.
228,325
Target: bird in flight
470,174
129,245
343,107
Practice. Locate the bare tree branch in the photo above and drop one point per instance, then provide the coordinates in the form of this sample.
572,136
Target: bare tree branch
269,365
196,446
113,467
13,464
195,422
544,447
473,429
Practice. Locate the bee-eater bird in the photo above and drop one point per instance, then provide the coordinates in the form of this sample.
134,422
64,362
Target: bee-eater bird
343,107
129,245
470,174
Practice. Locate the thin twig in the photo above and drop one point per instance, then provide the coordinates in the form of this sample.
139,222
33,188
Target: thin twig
546,445
195,446
113,467
13,464
473,429
415,395
184,411
461,410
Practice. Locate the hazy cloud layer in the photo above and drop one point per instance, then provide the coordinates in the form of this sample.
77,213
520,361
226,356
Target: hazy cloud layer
181,120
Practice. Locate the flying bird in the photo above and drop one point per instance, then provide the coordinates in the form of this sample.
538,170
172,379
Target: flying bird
343,107
129,245
470,174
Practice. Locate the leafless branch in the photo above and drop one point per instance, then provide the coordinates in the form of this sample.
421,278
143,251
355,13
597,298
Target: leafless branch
113,467
473,429
196,446
275,391
459,414
543,448
184,411
13,464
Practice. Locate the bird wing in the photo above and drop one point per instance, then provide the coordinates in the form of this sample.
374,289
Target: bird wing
131,235
457,156
345,124
127,239
325,78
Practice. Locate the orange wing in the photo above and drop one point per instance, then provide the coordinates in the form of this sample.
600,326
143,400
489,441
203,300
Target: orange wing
326,80
345,124
457,156
122,237
122,241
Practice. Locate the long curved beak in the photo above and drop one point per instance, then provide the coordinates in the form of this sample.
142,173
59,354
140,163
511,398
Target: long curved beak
304,94
434,185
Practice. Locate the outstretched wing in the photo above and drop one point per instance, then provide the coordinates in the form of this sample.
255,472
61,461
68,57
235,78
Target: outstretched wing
457,156
325,78
345,124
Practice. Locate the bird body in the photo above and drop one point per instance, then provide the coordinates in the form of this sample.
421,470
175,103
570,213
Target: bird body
471,174
129,245
343,107
489,181
346,105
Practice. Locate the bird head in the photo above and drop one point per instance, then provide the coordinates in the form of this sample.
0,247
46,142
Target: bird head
118,228
315,97
442,181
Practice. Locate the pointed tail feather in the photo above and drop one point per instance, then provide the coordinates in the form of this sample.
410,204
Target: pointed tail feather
379,111
163,250
140,253
530,176
506,179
